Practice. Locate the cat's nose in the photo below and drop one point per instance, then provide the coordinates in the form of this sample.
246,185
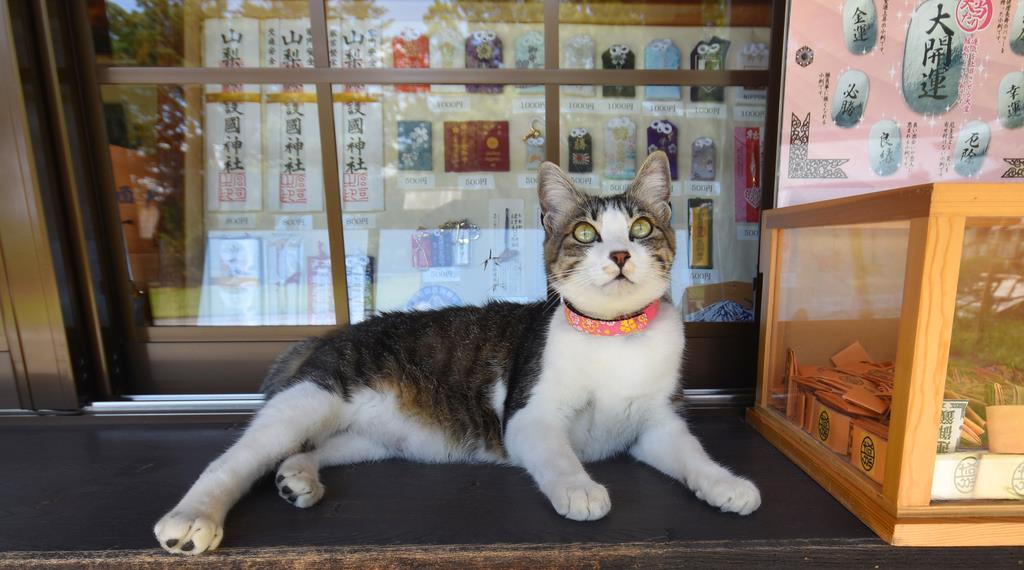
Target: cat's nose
619,257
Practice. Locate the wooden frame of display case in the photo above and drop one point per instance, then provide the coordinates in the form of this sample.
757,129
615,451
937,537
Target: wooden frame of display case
900,510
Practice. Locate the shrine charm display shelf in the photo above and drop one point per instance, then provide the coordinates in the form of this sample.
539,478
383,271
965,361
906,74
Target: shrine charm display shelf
890,367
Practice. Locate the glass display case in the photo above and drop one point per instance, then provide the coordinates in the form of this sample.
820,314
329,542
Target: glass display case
285,166
890,365
981,435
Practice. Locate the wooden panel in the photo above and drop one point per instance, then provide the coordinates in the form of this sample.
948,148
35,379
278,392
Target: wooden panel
718,355
902,204
988,532
965,508
769,266
926,327
975,199
207,367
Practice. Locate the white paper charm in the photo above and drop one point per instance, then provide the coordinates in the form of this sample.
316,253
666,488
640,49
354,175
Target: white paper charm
231,119
359,122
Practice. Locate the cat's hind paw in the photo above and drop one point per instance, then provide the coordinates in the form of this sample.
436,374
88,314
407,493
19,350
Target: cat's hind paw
298,481
587,501
731,494
188,532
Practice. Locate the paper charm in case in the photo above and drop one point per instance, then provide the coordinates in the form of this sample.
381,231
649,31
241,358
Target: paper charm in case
411,50
530,55
505,263
447,51
319,288
747,173
287,43
700,214
664,136
579,54
581,151
702,162
476,146
618,56
294,172
484,51
232,126
232,291
359,276
754,55
415,145
284,287
709,55
534,141
359,121
662,54
620,149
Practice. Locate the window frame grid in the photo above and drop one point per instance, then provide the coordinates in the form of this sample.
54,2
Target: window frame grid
324,77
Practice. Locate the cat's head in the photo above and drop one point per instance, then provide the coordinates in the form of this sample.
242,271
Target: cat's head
609,256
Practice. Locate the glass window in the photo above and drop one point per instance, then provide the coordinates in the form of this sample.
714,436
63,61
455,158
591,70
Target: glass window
715,151
188,33
428,34
839,295
981,429
709,35
221,195
440,196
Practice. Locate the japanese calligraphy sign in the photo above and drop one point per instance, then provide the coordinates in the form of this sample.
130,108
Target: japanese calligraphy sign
886,93
359,121
294,174
231,119
505,221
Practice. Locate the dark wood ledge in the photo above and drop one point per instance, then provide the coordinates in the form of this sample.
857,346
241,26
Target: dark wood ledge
84,495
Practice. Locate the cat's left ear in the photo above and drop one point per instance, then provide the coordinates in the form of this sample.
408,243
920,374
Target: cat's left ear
653,186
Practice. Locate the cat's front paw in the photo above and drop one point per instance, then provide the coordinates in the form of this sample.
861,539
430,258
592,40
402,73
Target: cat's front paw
298,481
731,494
580,501
188,532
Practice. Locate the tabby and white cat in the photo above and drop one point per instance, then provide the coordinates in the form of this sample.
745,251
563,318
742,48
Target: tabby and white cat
545,386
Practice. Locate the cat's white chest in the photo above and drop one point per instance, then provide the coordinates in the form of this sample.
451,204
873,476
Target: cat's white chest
607,386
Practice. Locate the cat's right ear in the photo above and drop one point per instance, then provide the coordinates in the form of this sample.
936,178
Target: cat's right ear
559,198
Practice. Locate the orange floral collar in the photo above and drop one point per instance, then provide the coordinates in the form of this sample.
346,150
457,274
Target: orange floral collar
627,325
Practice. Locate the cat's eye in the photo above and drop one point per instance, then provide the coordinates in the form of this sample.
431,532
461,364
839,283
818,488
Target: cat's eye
641,228
584,233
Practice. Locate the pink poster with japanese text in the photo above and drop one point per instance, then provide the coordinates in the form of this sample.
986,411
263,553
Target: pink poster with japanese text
881,94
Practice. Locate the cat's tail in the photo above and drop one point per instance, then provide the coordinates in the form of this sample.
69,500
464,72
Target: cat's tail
282,372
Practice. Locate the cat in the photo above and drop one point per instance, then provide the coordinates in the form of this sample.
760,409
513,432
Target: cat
548,386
